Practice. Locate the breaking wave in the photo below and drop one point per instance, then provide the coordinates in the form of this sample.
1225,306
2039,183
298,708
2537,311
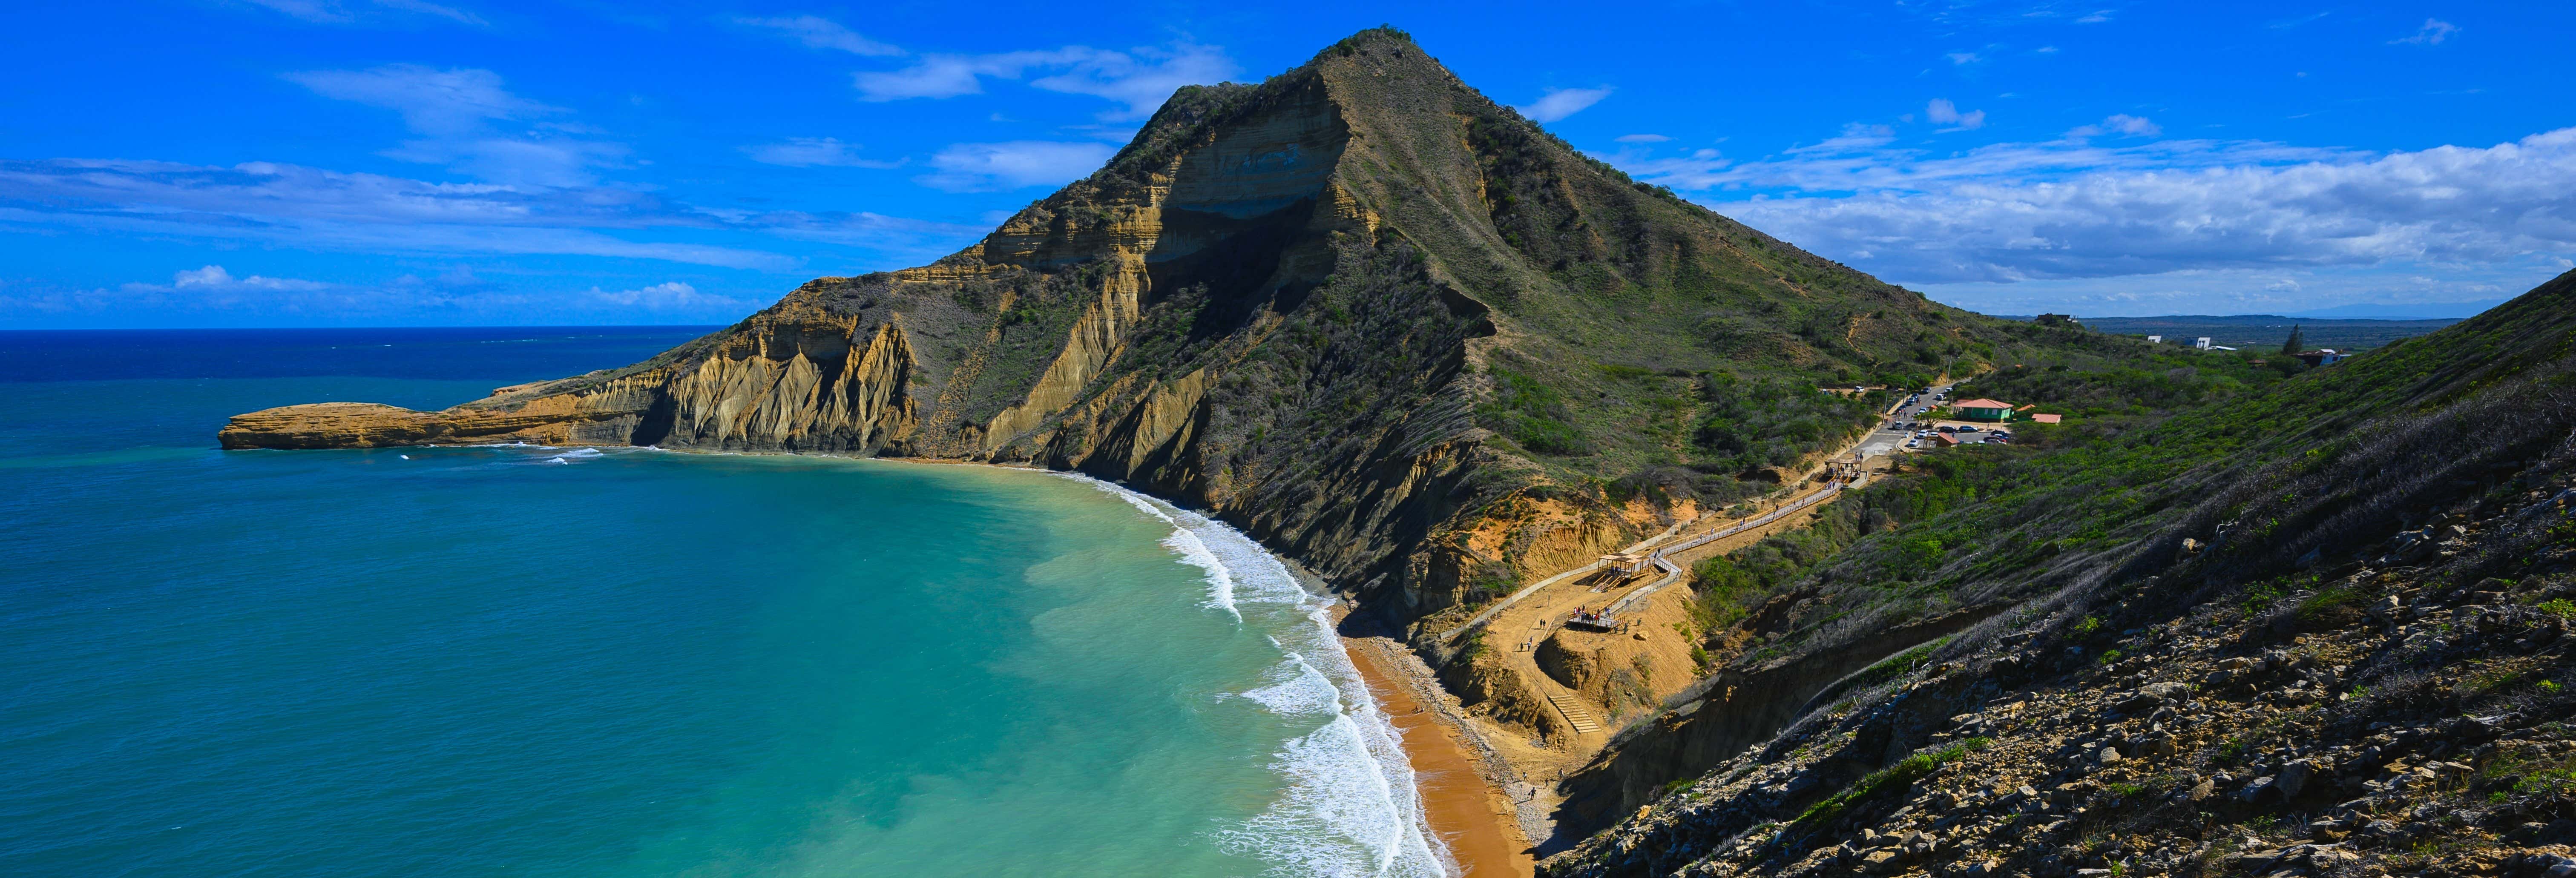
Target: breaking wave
1350,807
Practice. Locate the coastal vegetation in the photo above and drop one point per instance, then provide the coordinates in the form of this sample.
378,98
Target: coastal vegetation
1433,354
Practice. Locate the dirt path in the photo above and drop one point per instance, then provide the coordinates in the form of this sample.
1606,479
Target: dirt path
1518,626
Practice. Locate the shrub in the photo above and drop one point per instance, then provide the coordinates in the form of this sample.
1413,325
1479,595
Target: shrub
1532,414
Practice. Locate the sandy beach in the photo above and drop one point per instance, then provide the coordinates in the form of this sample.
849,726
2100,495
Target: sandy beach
1471,816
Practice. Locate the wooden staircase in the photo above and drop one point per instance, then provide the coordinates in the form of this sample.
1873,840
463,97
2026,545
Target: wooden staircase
1575,714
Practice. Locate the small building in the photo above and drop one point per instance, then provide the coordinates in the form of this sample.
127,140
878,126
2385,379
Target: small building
1946,439
2322,357
2046,419
1984,410
2155,339
2201,343
1626,564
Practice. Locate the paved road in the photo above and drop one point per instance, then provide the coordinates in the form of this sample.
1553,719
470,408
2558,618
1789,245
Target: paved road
1886,441
1880,441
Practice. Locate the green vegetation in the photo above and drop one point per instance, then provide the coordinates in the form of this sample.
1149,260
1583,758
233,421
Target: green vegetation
2256,461
1894,777
1532,414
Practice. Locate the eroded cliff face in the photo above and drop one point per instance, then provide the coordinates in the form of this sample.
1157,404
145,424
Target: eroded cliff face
1278,303
1116,328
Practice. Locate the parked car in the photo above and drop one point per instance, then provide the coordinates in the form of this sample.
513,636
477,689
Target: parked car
1968,428
1913,443
1947,428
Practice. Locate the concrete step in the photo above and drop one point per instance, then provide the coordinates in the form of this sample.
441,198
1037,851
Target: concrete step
1576,714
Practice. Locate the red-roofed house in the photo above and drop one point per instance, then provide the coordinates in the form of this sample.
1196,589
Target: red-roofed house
2047,419
1984,410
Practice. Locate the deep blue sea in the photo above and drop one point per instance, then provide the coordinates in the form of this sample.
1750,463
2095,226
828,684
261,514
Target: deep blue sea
514,660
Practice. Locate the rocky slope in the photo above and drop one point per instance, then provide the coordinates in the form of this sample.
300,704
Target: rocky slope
2334,647
1384,324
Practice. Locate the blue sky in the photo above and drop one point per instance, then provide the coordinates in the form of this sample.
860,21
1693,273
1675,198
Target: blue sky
396,162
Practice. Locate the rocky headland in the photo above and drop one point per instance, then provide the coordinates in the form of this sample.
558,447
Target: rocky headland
2234,616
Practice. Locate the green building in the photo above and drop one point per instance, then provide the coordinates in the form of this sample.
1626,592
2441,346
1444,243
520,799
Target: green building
1983,410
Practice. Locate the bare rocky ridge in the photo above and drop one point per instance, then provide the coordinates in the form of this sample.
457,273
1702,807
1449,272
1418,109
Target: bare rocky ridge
1404,337
1282,303
2399,719
2344,653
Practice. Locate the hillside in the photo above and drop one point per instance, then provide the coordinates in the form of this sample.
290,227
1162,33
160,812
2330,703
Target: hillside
1379,321
2314,627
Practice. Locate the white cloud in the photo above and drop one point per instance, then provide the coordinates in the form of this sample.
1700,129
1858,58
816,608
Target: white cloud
806,152
821,33
1942,112
671,296
2020,212
1962,58
2096,17
2432,33
214,277
212,296
1559,103
431,101
970,167
939,76
1641,138
335,12
2122,124
454,111
1144,80
1139,80
296,206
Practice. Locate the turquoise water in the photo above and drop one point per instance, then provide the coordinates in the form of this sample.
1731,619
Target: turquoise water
568,661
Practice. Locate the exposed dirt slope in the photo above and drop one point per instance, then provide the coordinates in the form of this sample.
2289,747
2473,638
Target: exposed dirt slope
1359,310
2336,648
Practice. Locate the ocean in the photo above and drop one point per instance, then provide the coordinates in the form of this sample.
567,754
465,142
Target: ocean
529,661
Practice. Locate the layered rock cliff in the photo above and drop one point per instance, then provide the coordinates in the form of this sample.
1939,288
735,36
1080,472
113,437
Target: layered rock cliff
1287,303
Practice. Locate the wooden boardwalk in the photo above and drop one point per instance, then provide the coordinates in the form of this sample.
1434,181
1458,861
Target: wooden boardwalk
1576,714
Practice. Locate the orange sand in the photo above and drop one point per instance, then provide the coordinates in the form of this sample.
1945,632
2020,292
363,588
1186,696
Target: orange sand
1470,816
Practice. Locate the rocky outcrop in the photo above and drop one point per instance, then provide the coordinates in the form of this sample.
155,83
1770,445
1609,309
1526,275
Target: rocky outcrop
1279,302
2351,664
2402,720
1730,711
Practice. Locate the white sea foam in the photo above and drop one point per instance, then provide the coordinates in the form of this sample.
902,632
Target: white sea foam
1220,579
575,454
1296,688
1350,806
1183,540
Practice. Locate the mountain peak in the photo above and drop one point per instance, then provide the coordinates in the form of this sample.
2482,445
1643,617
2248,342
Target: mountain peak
1352,308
